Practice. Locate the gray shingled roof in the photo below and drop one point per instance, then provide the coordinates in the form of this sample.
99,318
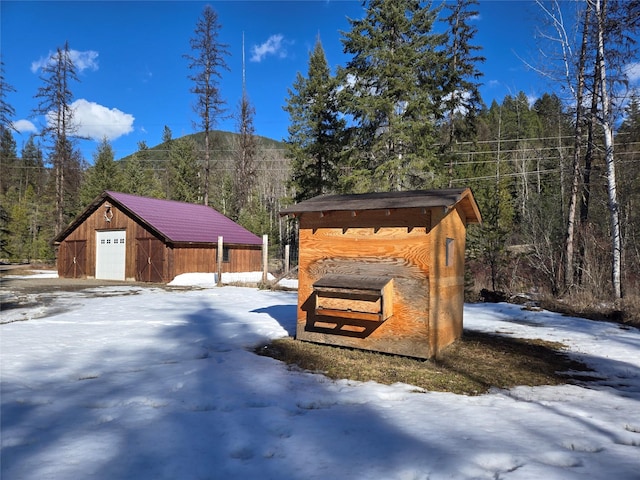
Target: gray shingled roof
389,200
177,222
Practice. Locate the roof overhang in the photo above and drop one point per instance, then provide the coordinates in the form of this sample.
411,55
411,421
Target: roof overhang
459,198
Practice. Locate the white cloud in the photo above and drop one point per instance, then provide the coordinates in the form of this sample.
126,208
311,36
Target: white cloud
273,46
85,60
97,122
25,126
81,60
633,72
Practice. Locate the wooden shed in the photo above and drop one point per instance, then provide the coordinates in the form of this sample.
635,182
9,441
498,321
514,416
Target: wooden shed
383,271
128,237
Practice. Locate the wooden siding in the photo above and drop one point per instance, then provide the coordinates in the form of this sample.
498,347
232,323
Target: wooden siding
167,260
393,244
407,246
186,259
97,221
243,259
447,281
193,259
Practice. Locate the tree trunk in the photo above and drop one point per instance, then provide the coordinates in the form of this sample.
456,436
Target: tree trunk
575,180
585,198
207,167
607,130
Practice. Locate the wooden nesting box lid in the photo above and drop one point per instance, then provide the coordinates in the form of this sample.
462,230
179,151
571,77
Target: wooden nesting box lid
359,282
448,198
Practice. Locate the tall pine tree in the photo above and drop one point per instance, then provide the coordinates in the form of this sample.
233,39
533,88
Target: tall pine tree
392,94
245,151
139,178
103,175
184,174
206,64
315,129
461,88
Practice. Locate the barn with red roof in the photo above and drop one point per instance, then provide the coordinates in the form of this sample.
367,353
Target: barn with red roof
128,237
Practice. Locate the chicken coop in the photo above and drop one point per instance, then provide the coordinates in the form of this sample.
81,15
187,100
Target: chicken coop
383,271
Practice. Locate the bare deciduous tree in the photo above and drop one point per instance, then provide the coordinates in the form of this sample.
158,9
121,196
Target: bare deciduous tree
606,121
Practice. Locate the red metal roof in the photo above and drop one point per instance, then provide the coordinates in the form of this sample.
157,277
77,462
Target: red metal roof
184,222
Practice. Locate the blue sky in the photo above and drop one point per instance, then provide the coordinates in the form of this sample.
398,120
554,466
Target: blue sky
133,77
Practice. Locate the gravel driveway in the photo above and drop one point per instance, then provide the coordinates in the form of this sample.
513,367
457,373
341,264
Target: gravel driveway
20,291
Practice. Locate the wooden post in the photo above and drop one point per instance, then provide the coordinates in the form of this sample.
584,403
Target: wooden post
265,257
220,257
286,259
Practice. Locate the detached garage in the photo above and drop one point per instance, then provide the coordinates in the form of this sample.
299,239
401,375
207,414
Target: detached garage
128,237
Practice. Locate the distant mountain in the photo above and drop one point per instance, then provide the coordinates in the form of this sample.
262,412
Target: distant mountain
221,146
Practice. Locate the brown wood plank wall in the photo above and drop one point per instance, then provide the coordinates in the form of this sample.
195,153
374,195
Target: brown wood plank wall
407,245
177,259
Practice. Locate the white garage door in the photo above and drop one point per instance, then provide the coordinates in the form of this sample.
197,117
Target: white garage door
110,254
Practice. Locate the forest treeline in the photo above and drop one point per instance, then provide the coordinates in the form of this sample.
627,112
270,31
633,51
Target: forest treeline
555,179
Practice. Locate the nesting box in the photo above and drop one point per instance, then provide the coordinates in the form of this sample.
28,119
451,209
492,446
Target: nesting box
383,271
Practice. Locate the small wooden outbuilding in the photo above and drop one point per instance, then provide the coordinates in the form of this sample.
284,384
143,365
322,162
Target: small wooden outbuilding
383,271
128,237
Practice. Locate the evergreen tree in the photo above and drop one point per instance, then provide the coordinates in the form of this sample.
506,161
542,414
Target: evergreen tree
315,129
33,171
167,136
461,94
207,63
183,171
490,177
103,175
245,152
7,112
9,168
553,147
138,176
627,141
164,167
4,228
392,95
8,162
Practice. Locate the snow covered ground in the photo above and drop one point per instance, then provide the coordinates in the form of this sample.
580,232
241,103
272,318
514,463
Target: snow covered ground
145,383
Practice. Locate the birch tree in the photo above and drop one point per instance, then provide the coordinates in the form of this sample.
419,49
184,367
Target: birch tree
606,121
